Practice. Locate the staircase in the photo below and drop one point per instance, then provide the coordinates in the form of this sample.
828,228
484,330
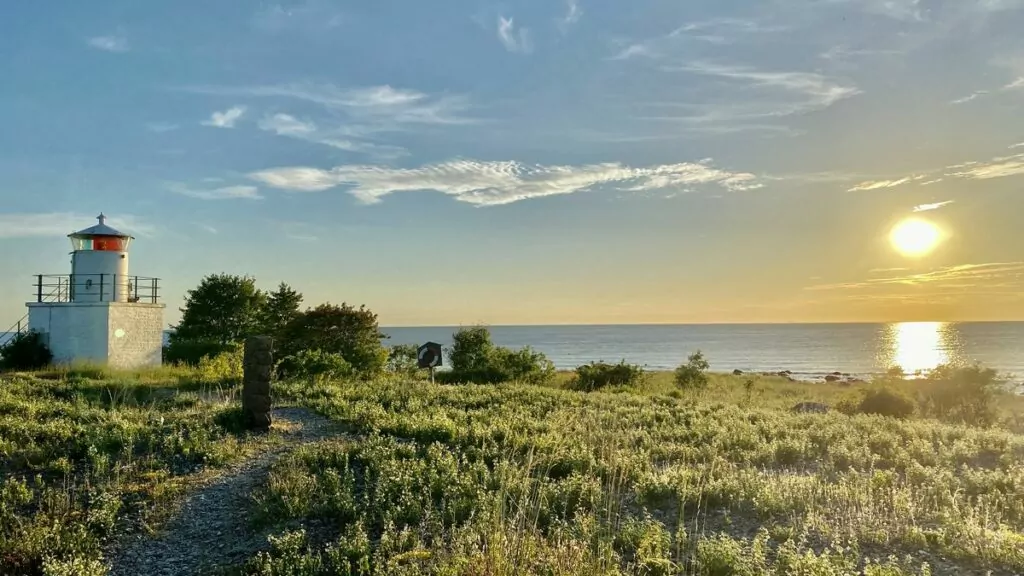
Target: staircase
17,328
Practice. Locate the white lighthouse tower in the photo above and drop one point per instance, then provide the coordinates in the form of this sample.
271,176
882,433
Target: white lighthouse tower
99,313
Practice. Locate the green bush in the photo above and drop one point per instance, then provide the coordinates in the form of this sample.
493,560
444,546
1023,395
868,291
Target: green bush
598,375
191,352
225,367
881,400
315,366
475,359
962,395
693,374
25,351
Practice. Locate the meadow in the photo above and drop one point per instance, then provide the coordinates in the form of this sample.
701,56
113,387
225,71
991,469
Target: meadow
513,478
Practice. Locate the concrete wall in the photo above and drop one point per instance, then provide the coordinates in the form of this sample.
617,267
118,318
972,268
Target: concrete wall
117,334
136,335
75,332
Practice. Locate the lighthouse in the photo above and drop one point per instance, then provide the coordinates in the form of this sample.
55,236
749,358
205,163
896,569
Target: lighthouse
99,313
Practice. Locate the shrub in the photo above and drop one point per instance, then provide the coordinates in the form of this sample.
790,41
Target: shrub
693,374
225,367
881,400
475,359
962,395
351,332
191,352
598,375
523,365
315,366
25,351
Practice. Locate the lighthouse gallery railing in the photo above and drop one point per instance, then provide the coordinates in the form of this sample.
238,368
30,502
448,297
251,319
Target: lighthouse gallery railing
96,288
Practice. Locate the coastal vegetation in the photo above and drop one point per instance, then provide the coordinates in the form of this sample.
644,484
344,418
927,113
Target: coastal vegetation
506,466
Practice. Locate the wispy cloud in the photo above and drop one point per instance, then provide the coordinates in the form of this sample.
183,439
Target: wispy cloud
225,119
57,224
1018,83
308,16
512,39
639,50
970,97
933,206
209,228
288,125
964,275
573,13
160,127
679,42
497,183
109,43
878,184
222,193
724,30
1000,167
380,105
772,94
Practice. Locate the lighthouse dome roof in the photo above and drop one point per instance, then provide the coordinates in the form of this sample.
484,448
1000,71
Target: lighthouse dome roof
100,229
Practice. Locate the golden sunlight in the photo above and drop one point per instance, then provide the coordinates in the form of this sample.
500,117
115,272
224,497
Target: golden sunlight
915,237
919,347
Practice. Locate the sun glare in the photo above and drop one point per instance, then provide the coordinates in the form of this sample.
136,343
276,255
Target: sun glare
915,237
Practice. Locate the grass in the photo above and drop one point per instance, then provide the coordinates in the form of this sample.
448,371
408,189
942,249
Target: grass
517,479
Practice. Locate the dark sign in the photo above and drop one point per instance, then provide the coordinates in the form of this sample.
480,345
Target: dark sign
429,355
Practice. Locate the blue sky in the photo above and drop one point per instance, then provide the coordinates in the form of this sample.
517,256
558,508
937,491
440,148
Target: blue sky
558,161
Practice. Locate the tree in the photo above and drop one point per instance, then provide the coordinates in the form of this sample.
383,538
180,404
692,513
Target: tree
281,308
351,332
223,309
471,350
693,374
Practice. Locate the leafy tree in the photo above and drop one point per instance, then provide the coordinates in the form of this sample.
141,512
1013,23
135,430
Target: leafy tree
351,332
281,308
693,374
224,308
471,350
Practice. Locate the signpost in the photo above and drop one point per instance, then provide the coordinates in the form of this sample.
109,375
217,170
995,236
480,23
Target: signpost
429,356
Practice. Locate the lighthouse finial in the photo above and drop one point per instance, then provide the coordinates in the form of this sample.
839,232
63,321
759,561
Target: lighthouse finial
101,218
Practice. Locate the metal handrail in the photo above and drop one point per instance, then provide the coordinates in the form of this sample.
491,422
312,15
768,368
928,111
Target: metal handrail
98,287
14,330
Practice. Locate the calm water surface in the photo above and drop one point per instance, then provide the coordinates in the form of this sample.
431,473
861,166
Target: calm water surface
808,350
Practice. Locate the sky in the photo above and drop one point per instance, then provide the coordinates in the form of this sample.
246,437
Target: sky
546,162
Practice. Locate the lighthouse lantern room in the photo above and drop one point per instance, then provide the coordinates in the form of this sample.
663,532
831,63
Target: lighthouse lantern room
99,313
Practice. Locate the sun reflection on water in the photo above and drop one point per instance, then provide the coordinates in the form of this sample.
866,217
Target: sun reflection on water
918,347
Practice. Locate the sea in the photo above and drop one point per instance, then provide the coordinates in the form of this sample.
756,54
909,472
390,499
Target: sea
808,351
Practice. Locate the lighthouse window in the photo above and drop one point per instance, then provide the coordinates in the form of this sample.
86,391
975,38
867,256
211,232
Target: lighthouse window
81,243
107,243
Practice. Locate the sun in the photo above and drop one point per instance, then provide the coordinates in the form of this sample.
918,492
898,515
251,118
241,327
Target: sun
914,237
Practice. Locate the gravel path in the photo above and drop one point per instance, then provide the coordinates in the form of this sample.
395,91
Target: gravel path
211,528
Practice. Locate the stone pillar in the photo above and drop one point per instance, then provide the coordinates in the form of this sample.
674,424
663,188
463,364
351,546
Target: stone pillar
258,365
